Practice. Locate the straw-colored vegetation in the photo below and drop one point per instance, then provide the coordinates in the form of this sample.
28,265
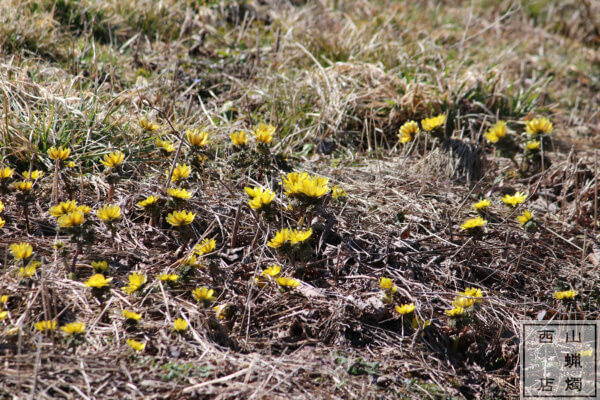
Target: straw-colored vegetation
290,199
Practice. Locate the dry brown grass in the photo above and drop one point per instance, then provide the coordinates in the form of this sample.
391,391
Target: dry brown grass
340,74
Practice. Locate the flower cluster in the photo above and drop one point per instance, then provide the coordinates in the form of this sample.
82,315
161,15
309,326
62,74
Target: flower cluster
109,213
239,138
204,295
206,246
566,294
59,154
2,221
98,281
388,287
165,146
473,225
291,237
113,159
148,202
196,137
465,302
137,281
180,218
408,131
515,199
304,187
264,133
536,130
260,198
286,283
430,124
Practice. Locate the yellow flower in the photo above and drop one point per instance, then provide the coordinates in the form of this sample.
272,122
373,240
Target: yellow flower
222,310
71,220
113,159
84,209
148,201
272,271
253,192
1,206
135,345
33,175
430,124
21,250
586,353
49,325
566,294
259,197
59,154
407,132
2,222
405,308
204,294
387,285
182,194
168,277
206,246
337,192
532,145
293,236
418,322
280,238
100,266
136,282
538,125
23,186
455,312
286,282
3,315
191,261
74,328
196,137
6,173
463,302
98,281
180,172
468,298
132,316
239,138
180,218
297,236
388,298
303,185
525,217
4,299
29,270
473,223
259,281
472,292
293,178
109,212
264,133
482,205
496,132
165,145
63,208
12,331
148,126
514,200
180,325
71,164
